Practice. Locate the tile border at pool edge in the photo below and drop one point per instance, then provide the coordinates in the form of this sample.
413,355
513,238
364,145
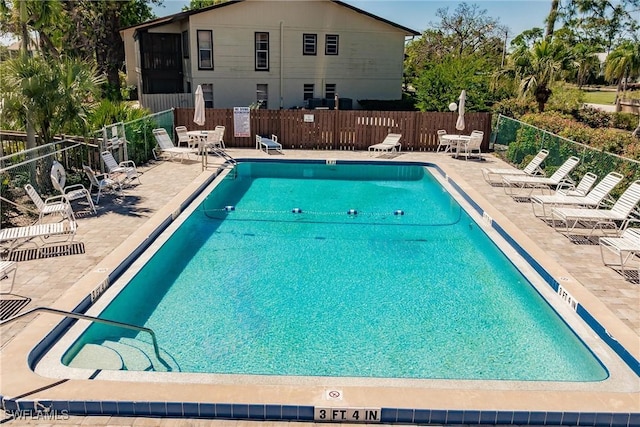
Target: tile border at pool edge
402,415
305,413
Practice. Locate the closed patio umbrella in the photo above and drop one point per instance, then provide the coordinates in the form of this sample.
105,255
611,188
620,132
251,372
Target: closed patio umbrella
198,116
460,122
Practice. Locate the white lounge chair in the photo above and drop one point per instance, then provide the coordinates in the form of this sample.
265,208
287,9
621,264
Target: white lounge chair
390,143
39,235
593,199
625,247
52,205
8,268
617,218
533,168
165,146
513,184
583,187
268,144
72,192
100,181
127,167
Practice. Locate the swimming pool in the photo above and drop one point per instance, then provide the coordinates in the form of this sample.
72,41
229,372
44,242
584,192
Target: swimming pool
338,270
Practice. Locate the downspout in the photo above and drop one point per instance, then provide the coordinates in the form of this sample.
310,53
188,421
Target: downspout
281,64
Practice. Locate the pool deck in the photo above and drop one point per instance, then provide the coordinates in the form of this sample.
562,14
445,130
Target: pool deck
123,221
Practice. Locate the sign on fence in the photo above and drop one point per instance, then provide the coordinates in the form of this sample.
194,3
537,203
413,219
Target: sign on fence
241,122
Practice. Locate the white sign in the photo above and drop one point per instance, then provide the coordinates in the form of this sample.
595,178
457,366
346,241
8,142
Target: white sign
241,122
308,118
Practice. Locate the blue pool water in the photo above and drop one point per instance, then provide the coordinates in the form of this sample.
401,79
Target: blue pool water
409,287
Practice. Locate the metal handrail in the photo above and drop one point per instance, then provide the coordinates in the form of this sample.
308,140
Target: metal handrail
92,319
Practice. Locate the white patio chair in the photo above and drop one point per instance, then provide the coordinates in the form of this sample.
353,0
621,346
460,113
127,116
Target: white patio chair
127,167
472,147
442,143
593,199
100,181
72,192
183,136
531,169
52,205
215,138
621,214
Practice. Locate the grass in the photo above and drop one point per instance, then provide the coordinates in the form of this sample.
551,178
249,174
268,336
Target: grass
600,97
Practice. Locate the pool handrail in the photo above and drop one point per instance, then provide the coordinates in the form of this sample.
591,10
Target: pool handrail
92,319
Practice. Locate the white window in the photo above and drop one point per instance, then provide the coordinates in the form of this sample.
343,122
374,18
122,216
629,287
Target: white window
309,44
262,96
308,92
331,44
205,50
207,93
262,51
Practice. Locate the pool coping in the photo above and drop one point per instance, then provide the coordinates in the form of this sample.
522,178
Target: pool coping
240,401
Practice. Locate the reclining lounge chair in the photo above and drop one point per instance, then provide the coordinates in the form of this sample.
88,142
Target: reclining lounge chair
390,143
494,175
165,146
593,199
514,183
617,218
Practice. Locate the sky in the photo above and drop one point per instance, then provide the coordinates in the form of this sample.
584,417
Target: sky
516,15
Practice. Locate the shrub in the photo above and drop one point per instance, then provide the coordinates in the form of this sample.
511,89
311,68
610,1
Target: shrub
610,140
514,107
624,121
565,99
593,117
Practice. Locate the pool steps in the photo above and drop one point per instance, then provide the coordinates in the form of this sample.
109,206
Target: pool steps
123,354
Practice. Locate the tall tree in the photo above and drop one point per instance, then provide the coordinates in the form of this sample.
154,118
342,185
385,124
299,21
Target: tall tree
600,22
468,31
539,67
623,63
552,18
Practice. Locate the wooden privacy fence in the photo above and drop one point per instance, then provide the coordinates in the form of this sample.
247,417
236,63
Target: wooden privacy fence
340,130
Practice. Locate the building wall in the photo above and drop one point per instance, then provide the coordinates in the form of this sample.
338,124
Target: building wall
369,63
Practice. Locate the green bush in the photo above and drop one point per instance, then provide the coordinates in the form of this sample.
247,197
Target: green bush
609,140
593,117
624,121
514,107
565,99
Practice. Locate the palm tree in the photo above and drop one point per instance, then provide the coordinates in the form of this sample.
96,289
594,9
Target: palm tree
585,61
53,96
552,18
622,64
539,67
